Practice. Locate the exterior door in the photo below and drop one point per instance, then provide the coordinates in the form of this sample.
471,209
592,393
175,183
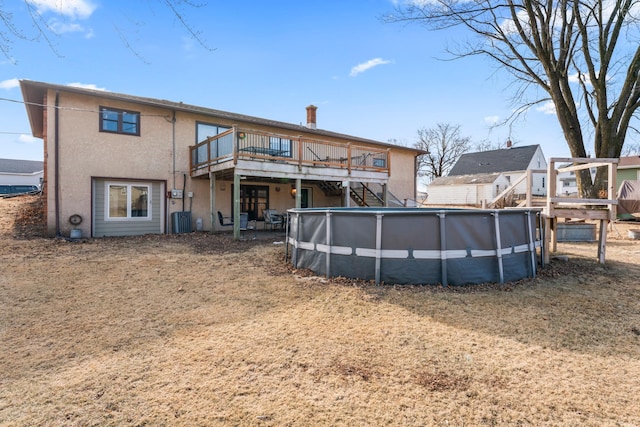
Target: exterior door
253,200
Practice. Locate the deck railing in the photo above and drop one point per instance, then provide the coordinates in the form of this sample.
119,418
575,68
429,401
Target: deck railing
255,145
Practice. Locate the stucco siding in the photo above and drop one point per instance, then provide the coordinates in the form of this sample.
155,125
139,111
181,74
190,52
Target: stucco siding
402,183
85,152
160,154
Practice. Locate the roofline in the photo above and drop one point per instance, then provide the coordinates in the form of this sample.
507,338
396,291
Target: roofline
29,85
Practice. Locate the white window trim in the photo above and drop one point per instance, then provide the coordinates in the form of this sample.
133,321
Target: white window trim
107,193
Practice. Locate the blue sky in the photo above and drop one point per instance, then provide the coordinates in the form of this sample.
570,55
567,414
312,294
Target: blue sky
268,59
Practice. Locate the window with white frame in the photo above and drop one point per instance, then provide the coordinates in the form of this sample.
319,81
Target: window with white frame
126,201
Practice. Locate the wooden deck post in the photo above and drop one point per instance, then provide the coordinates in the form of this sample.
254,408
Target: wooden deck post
212,200
602,240
236,206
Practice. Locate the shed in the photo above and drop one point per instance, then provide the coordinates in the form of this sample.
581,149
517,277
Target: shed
466,190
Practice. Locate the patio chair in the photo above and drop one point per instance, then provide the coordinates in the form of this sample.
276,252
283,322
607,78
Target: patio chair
224,221
245,224
272,218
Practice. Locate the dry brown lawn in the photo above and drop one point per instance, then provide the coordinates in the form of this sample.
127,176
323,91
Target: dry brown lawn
199,330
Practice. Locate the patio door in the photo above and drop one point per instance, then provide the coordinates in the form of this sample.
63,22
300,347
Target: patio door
253,200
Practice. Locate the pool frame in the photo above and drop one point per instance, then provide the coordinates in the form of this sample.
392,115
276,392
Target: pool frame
417,245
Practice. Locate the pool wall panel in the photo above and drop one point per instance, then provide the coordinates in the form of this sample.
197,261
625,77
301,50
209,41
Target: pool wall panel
416,246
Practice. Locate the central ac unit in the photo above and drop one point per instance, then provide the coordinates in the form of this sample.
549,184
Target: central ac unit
181,222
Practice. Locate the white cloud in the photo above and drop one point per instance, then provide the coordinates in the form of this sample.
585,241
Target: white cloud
75,9
547,108
9,84
61,27
492,120
86,86
361,68
28,139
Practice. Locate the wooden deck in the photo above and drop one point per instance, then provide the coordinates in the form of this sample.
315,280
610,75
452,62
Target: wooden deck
227,149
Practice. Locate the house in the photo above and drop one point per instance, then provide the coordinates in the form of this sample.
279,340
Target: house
566,184
120,164
481,176
21,172
628,170
467,190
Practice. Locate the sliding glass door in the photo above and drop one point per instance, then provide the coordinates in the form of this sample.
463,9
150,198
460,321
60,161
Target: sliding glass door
253,200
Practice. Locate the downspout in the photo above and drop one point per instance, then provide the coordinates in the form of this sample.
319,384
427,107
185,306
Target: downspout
57,167
173,142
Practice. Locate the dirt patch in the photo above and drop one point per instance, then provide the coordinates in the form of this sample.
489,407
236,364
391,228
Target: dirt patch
199,329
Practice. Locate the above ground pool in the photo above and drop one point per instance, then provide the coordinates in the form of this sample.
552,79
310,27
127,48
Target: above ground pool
416,245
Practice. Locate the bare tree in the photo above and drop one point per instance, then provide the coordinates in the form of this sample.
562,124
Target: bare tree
631,149
583,56
444,144
41,30
487,145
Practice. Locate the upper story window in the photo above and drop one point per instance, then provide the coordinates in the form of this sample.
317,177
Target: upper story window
119,121
217,147
207,130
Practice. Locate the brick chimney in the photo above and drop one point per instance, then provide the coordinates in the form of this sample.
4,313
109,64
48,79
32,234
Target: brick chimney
509,143
311,116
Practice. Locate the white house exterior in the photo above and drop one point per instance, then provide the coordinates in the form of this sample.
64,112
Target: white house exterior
21,172
512,162
466,190
566,184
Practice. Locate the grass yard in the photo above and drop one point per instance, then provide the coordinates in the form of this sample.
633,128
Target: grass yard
200,330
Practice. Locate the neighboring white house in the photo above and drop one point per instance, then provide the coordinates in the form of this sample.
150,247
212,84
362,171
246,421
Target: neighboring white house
469,190
628,169
495,169
21,172
566,181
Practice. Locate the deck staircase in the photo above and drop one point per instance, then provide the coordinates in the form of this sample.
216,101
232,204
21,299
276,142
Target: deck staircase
365,195
331,188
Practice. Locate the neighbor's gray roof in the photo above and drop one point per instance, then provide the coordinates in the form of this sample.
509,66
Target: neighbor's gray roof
21,166
505,160
33,91
483,178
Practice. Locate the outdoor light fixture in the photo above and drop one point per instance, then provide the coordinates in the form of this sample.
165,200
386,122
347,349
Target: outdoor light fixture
293,191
